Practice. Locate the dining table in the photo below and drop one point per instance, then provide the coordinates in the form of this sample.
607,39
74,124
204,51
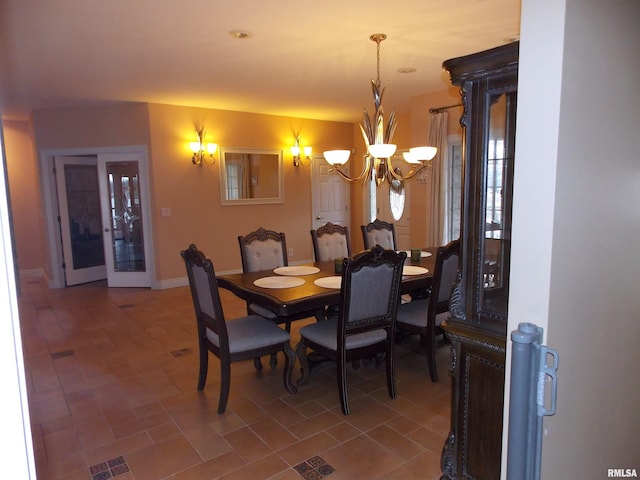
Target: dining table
300,291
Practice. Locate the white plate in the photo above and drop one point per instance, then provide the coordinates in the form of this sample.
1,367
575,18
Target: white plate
278,282
413,270
422,254
329,282
297,270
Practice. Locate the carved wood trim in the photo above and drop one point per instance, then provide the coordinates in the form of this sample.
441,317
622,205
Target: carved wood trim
448,459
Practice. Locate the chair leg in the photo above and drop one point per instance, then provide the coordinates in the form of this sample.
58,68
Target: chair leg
301,352
257,363
289,362
431,356
391,374
341,368
204,366
273,360
225,385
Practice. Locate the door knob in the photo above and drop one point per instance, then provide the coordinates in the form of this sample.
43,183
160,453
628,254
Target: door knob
319,217
106,229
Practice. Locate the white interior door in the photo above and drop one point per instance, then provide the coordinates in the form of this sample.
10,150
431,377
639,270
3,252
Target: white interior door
330,195
80,219
125,214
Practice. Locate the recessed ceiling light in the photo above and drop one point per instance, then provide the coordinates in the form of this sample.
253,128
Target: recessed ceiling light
240,34
406,70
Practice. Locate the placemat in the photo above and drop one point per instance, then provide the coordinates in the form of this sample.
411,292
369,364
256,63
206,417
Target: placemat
296,270
329,282
278,282
414,270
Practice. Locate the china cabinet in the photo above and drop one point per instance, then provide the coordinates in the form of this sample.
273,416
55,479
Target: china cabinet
477,327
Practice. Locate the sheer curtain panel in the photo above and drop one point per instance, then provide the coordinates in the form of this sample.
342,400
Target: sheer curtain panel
437,138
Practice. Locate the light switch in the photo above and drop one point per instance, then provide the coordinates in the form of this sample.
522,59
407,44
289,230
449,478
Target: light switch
165,212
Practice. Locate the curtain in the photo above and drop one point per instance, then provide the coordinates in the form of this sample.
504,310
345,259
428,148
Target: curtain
437,138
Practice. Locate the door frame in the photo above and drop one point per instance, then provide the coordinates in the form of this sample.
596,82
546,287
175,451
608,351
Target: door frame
50,201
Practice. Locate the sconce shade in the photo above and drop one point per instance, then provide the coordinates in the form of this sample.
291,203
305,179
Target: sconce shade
336,157
307,151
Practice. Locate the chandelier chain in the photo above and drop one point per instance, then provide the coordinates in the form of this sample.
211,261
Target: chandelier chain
378,37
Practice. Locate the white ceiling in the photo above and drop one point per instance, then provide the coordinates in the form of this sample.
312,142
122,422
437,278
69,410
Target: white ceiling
310,59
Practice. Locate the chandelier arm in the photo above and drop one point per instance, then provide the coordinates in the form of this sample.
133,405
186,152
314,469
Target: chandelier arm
409,175
365,172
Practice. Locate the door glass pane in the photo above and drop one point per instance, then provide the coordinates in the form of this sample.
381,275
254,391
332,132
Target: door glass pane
454,192
127,237
396,197
497,216
85,220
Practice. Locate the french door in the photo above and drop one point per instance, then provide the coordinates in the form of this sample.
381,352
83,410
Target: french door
103,219
80,219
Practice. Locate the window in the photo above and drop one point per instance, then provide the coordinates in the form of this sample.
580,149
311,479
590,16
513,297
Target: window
233,180
453,189
495,167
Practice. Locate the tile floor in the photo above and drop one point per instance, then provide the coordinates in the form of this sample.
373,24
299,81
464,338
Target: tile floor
111,376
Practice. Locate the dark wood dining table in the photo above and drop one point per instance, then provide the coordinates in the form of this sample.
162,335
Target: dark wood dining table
295,302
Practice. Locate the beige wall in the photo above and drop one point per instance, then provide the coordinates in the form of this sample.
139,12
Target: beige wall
420,201
192,193
26,198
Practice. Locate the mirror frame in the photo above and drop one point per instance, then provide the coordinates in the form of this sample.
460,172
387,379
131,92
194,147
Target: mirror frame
249,201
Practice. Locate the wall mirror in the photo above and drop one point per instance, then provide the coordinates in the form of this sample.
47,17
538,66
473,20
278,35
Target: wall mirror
250,176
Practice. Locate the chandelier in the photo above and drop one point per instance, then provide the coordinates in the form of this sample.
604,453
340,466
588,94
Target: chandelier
377,138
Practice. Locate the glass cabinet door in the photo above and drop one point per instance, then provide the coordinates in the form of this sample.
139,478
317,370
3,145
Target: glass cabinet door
495,230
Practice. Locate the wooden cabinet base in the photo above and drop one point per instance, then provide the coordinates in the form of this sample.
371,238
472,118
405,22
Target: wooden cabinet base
474,446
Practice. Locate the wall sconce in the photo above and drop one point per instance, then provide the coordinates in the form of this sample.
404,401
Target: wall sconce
295,151
201,150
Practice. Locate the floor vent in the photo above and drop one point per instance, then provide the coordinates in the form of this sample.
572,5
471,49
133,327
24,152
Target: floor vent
109,469
314,469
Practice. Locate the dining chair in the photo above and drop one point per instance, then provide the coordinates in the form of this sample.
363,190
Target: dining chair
330,242
232,340
262,250
424,316
365,326
266,250
379,232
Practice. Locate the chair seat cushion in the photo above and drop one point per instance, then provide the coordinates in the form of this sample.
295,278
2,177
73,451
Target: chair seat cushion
413,313
249,333
325,333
